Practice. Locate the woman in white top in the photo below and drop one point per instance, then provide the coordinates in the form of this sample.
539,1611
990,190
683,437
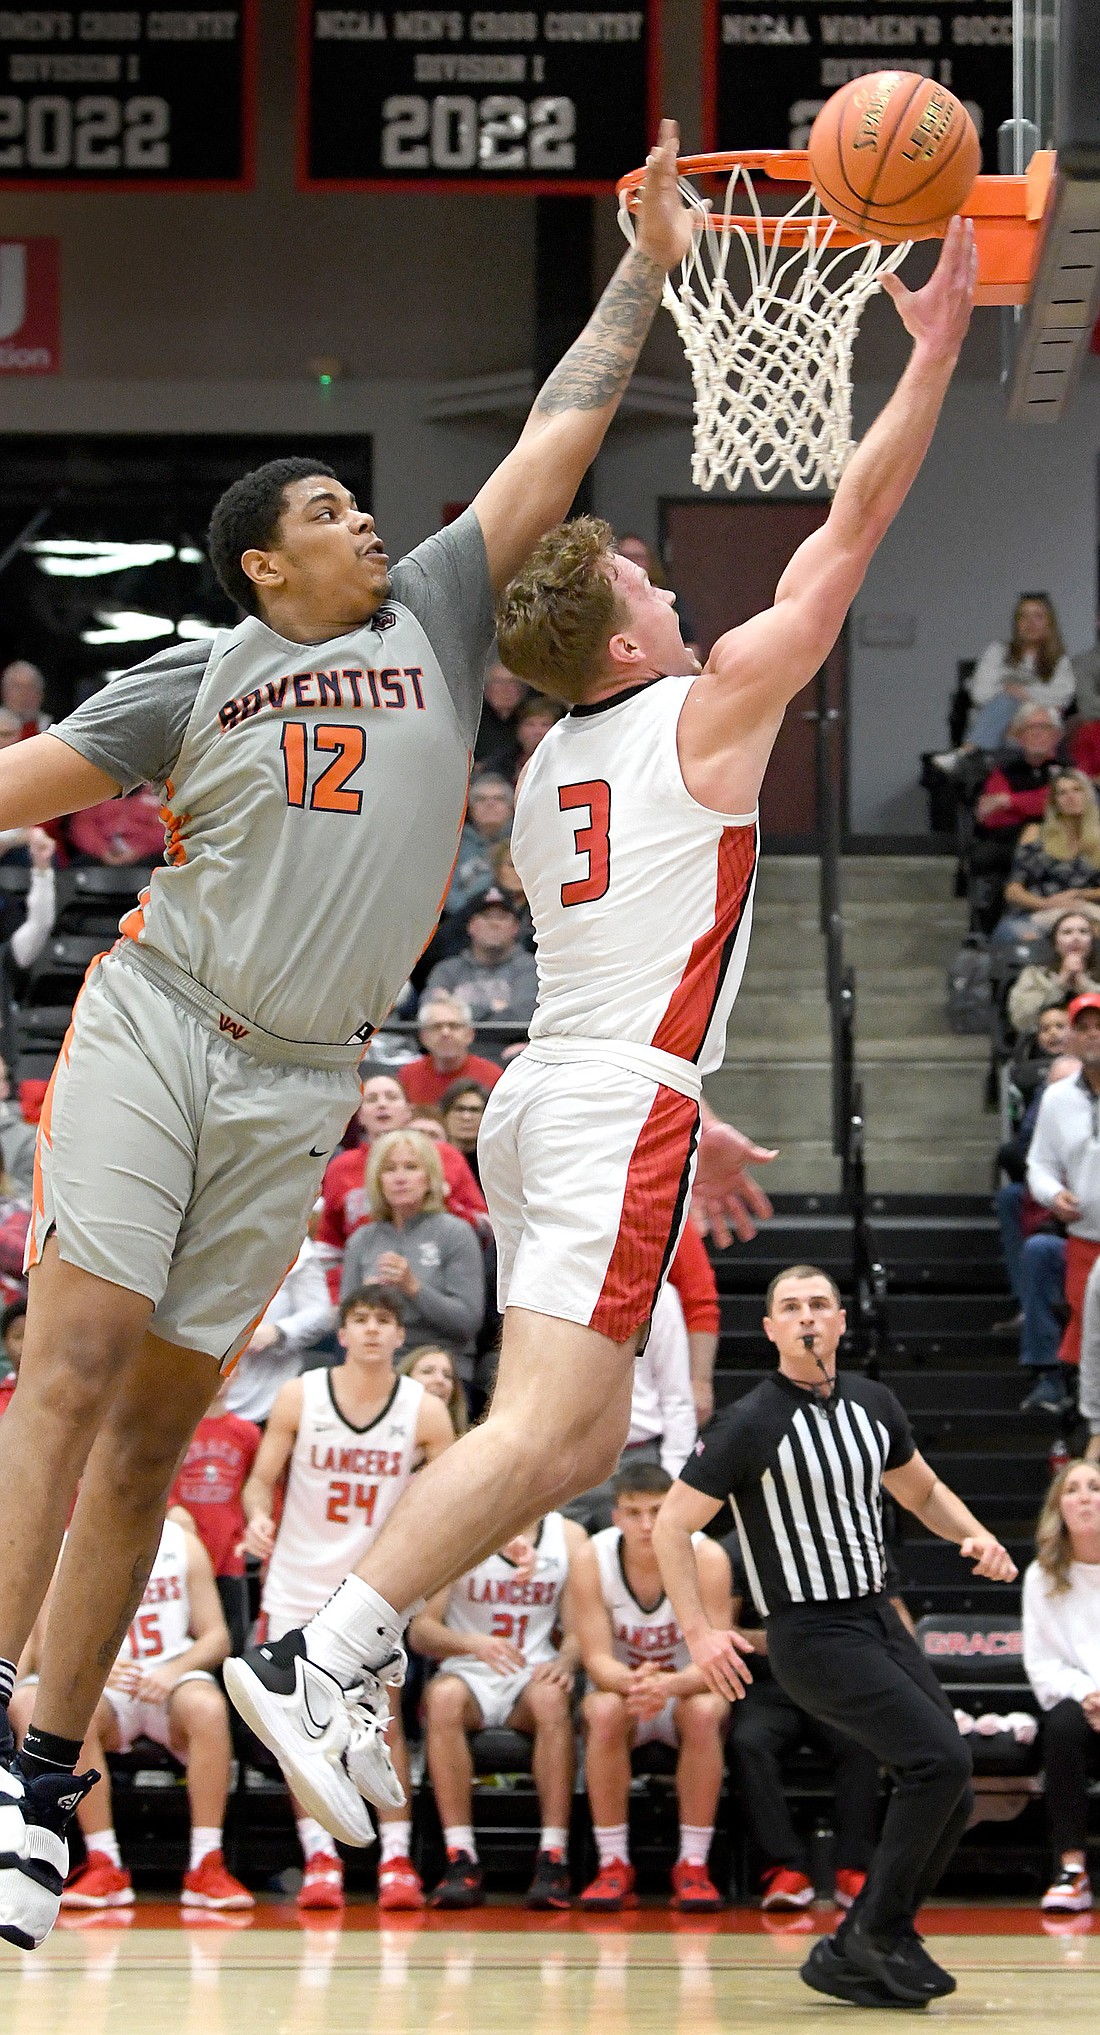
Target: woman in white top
1032,666
1061,1618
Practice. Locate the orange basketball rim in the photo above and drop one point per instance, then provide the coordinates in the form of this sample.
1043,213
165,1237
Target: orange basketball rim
1009,214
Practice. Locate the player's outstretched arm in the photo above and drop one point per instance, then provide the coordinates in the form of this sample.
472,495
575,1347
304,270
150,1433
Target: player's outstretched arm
916,1486
44,779
533,488
726,730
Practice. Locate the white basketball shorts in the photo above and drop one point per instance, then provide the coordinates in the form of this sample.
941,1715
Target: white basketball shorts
659,1730
495,1695
136,1719
587,1169
175,1164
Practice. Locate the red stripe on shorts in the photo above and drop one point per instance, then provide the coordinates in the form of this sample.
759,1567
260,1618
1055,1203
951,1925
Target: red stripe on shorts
691,1005
653,1203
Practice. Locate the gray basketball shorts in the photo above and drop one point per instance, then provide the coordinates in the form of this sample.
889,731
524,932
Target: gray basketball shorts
173,1163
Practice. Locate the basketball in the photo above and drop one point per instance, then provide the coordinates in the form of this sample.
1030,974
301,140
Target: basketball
893,156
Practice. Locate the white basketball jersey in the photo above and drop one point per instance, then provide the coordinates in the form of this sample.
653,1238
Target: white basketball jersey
642,1635
641,897
161,1626
343,1483
497,1602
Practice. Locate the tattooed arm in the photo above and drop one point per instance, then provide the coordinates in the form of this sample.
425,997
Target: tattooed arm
532,489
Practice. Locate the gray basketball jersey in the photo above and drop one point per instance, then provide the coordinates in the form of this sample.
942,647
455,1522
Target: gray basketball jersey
313,795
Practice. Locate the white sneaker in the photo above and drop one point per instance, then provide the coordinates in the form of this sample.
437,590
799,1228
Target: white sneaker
34,1852
329,1741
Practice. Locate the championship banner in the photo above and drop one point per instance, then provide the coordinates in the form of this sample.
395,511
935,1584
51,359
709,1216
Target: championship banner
540,101
130,98
768,72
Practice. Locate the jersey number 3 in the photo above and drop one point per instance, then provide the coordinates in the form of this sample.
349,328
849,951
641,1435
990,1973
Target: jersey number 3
592,841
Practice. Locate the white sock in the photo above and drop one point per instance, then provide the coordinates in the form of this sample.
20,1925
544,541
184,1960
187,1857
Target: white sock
553,1838
313,1837
395,1839
612,1841
695,1843
106,1843
205,1838
460,1837
356,1629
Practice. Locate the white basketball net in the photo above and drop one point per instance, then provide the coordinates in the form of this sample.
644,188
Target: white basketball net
770,345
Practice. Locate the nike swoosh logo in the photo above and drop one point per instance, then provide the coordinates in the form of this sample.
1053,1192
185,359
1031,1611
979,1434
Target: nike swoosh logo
315,1154
318,1730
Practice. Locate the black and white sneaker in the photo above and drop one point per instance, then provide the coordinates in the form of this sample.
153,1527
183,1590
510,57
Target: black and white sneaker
329,1741
34,1853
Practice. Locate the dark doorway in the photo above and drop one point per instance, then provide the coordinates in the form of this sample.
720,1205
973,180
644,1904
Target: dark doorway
725,559
116,569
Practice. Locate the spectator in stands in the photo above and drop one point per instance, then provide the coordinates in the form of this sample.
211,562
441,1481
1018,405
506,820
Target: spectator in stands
121,832
496,749
161,1687
662,1411
1061,1621
22,688
494,975
488,820
1068,969
431,1258
1029,1067
1015,790
1031,666
301,1315
501,1669
25,927
1063,1164
463,1106
765,1726
533,721
384,1107
1086,674
506,878
644,1691
17,1139
1056,864
446,1033
433,1367
209,1486
13,1322
1034,1245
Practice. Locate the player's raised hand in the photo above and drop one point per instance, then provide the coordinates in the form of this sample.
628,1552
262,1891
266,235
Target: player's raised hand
990,1559
663,228
937,316
719,1657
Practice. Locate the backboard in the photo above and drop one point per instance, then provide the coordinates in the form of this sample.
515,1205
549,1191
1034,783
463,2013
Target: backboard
1056,105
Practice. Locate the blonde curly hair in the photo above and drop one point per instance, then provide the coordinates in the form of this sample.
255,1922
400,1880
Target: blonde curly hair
556,617
1053,1545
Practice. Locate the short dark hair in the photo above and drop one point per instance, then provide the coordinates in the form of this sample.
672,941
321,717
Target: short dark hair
801,1272
645,1479
373,1293
11,1313
246,518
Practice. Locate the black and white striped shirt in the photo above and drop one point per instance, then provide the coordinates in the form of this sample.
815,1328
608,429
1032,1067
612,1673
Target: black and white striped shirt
805,1485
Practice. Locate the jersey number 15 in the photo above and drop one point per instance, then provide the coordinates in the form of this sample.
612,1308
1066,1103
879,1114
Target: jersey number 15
592,841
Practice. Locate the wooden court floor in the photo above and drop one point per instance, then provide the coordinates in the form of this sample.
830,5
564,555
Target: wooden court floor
510,1974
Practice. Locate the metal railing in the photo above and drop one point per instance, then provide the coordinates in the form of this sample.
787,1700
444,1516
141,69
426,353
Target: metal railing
867,1324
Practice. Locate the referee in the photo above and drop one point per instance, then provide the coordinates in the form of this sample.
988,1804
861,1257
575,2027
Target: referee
803,1459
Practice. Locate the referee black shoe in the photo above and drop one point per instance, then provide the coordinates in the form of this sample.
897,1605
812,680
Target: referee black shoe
828,1971
901,1964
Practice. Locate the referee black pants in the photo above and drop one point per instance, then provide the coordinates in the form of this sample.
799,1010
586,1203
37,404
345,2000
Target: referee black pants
856,1667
